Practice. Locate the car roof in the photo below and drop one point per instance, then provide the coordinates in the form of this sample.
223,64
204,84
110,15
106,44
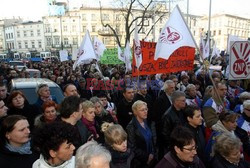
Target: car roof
31,82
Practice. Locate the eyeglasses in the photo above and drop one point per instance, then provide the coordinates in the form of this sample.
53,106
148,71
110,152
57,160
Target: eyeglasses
194,148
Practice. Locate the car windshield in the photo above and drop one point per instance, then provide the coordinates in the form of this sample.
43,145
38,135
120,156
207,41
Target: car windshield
17,63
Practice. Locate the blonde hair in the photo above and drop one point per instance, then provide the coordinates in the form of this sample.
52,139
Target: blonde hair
113,133
86,105
138,104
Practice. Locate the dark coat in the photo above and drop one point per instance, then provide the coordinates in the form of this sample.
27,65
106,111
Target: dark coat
124,112
220,162
138,144
161,105
170,120
170,161
10,159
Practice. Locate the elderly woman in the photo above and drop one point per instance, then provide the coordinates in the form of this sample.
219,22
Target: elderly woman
243,97
49,114
89,122
15,150
43,93
244,120
140,136
101,115
227,153
92,155
18,105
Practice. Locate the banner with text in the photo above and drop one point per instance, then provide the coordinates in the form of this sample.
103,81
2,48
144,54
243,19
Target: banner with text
181,60
110,56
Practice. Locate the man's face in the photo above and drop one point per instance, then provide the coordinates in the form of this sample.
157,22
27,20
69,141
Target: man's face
71,91
192,92
196,120
3,109
222,90
129,94
3,92
171,88
180,102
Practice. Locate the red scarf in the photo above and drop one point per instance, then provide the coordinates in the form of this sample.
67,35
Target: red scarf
90,125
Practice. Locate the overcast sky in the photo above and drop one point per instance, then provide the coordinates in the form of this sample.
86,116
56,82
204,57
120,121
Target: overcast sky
35,9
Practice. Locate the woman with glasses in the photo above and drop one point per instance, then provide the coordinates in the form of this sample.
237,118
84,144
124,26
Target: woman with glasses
182,151
140,136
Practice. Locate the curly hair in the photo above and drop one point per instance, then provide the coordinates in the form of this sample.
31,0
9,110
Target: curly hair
51,136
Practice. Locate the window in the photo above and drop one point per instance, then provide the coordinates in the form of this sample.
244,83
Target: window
106,40
93,29
66,41
84,17
33,44
57,40
214,32
19,44
93,17
11,35
117,17
83,28
105,17
26,44
74,28
39,44
65,28
219,32
18,33
31,33
38,33
75,41
48,40
24,33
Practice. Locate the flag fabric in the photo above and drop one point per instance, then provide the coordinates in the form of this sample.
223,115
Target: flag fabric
215,52
63,55
120,54
232,38
86,52
201,44
127,56
174,35
99,47
206,50
137,47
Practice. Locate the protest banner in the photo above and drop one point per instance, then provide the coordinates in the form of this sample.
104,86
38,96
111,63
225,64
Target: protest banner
110,56
182,59
239,63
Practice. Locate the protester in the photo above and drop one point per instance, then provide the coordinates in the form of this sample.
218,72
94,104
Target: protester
49,114
182,151
55,143
191,96
140,136
3,111
70,90
92,155
15,147
43,93
3,92
116,143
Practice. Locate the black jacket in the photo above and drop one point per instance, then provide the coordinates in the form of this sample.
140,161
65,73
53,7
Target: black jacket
124,112
170,120
10,159
161,105
138,144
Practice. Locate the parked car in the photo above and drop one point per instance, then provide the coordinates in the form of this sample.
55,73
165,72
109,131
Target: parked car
20,65
28,87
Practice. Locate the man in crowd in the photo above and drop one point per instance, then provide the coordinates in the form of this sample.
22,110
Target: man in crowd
70,90
3,92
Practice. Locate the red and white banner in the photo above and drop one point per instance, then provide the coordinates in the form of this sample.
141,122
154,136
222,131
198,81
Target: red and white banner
239,62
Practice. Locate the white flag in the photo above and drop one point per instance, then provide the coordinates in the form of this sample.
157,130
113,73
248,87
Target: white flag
127,55
86,52
206,50
120,54
137,48
201,43
63,55
232,38
215,52
99,47
174,35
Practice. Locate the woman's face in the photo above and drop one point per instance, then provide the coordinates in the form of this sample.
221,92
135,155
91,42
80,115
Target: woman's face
234,156
18,101
229,125
120,147
141,112
45,92
89,114
50,114
20,134
98,108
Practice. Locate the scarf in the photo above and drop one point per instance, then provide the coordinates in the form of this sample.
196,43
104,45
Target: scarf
24,149
90,125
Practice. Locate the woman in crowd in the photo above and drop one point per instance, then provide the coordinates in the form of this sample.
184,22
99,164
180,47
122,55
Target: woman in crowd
18,105
15,149
55,143
140,136
226,151
116,143
44,95
88,119
92,155
49,114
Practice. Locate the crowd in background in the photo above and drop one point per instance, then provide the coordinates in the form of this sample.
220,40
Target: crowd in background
111,119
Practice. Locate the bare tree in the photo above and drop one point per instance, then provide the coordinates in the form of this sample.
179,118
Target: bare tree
132,10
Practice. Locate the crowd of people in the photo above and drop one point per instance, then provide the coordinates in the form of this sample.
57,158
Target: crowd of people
111,119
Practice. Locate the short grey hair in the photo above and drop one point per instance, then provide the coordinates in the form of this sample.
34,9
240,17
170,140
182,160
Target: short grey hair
166,84
246,104
86,152
138,104
244,96
177,94
190,86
